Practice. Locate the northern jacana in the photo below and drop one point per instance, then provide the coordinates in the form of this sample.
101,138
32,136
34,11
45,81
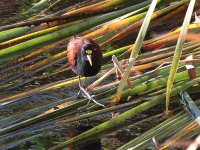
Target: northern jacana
84,57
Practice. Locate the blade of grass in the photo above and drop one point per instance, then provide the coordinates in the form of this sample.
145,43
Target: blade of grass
103,128
190,106
178,52
38,42
136,49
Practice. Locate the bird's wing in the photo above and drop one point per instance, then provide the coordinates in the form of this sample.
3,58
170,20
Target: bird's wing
73,50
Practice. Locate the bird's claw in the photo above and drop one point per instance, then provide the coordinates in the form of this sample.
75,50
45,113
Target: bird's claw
87,96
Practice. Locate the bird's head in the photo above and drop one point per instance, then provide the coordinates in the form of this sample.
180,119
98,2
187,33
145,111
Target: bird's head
88,50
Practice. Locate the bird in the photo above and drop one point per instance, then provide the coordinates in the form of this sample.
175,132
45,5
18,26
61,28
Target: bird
84,56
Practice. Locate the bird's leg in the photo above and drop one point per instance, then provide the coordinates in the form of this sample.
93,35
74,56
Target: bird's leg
79,92
87,95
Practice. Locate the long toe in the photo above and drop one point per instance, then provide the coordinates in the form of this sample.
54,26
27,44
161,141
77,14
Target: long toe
97,103
88,96
85,105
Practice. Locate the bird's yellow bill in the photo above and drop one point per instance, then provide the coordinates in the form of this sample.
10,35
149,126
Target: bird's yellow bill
89,57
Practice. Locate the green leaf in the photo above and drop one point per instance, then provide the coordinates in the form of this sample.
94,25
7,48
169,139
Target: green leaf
178,52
